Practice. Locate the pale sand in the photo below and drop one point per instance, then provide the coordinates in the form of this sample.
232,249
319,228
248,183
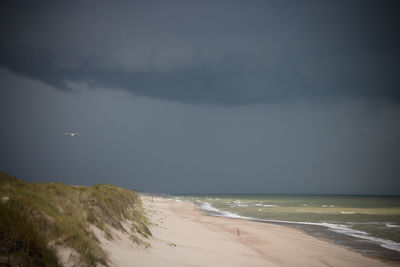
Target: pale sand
68,256
203,240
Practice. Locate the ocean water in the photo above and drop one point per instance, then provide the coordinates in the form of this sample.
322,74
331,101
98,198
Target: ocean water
369,224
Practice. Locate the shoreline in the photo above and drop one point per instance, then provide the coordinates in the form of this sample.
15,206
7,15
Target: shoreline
357,244
365,247
183,235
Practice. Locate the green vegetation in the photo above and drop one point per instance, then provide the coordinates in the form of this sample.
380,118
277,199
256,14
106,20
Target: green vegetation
34,214
20,241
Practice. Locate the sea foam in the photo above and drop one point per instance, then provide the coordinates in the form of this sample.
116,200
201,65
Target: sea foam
391,225
207,207
338,228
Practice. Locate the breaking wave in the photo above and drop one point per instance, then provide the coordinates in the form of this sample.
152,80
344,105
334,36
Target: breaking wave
338,228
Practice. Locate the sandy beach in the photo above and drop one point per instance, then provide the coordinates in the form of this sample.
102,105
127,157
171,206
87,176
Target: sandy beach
185,236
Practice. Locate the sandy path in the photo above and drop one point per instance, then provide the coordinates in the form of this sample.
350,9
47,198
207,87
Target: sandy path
183,236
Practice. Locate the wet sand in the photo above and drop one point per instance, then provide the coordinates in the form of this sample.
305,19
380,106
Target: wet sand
357,244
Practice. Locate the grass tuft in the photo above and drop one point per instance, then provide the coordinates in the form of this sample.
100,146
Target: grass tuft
21,243
63,213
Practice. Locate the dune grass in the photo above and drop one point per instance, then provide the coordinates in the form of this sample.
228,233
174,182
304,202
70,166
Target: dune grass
61,214
21,243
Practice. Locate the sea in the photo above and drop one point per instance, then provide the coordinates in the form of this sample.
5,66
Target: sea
367,224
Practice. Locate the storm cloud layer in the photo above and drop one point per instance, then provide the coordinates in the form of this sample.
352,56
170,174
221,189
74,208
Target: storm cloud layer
203,96
212,52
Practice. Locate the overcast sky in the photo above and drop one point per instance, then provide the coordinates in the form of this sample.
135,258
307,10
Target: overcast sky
203,96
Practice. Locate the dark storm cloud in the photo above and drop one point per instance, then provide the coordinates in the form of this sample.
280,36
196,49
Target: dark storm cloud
225,52
343,147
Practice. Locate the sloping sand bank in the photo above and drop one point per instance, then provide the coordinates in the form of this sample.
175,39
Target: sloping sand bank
184,236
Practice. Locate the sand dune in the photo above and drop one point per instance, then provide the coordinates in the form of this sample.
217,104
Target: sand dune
184,236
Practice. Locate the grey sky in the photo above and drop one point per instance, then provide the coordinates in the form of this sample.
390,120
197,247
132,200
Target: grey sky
219,96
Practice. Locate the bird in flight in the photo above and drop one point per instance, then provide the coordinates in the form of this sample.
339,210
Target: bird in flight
71,134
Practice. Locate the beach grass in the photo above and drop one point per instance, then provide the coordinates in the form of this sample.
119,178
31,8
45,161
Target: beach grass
21,242
61,214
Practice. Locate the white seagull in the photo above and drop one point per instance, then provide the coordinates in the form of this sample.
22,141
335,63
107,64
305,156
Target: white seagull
71,134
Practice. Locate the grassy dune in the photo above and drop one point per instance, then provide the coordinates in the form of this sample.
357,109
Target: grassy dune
34,215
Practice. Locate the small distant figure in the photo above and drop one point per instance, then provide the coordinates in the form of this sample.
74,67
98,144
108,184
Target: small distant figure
238,233
71,134
152,199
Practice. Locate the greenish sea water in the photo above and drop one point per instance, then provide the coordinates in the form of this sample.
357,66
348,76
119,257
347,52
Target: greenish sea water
373,218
